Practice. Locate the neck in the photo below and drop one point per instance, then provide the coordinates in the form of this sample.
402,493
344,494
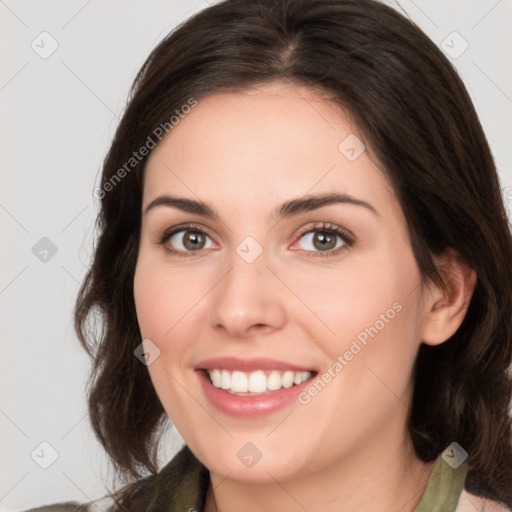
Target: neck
382,476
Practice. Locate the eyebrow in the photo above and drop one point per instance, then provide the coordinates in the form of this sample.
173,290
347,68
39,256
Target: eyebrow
288,209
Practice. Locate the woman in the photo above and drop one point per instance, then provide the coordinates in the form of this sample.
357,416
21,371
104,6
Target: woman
304,263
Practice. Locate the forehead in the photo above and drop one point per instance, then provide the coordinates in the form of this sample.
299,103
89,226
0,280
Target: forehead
267,143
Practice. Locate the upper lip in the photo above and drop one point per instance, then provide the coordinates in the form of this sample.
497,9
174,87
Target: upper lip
249,365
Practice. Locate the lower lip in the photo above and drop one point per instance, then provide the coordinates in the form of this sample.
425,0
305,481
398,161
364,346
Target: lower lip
250,406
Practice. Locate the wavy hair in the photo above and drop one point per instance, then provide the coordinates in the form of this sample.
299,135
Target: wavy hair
416,118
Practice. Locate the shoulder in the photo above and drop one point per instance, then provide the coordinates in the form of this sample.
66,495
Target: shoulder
101,505
182,482
471,503
69,506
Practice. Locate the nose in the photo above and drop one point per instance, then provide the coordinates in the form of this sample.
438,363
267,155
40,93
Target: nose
248,300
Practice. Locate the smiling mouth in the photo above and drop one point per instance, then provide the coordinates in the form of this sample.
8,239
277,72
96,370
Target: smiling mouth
255,383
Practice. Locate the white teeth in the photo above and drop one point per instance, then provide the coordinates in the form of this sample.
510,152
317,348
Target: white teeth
300,377
239,383
274,381
288,379
225,382
256,382
216,377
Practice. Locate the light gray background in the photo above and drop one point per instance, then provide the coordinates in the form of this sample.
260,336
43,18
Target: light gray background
58,116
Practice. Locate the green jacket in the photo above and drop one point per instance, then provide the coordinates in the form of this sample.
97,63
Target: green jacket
182,484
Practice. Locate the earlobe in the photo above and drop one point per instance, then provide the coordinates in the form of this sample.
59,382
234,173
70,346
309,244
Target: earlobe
445,308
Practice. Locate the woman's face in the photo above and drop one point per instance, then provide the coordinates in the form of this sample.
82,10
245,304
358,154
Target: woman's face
266,292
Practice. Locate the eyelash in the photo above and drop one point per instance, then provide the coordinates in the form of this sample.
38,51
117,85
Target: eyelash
348,240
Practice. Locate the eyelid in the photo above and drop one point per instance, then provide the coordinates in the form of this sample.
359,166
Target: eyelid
347,236
344,233
162,237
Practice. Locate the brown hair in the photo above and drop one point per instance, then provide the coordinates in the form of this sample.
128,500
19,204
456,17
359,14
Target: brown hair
416,117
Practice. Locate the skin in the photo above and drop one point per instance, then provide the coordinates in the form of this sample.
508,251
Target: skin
244,154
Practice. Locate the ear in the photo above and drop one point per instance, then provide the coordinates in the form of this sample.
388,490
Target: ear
445,309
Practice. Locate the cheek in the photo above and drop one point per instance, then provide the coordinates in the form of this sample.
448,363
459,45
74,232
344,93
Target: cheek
378,327
368,299
163,302
373,314
163,297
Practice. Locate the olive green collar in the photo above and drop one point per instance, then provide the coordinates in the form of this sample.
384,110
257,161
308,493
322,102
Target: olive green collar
183,484
444,488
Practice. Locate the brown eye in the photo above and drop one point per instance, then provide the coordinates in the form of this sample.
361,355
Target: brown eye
185,240
194,240
322,240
